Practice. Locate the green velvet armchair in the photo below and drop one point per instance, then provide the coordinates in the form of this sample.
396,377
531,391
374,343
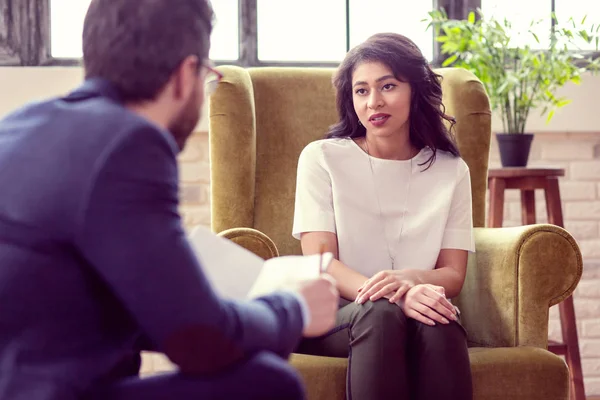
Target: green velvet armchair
260,120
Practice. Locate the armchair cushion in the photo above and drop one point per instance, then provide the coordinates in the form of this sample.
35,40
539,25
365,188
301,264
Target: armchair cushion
516,373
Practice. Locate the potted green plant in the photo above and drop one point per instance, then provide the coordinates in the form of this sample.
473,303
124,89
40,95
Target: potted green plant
517,77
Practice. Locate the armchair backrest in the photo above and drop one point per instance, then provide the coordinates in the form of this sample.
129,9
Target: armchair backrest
261,119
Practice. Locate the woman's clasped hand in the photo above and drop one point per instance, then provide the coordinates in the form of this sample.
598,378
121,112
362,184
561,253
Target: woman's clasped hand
423,302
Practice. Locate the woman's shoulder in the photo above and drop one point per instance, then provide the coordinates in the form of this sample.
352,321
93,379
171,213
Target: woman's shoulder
451,159
446,161
318,148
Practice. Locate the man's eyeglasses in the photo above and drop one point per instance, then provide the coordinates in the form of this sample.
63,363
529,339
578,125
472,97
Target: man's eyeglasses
211,80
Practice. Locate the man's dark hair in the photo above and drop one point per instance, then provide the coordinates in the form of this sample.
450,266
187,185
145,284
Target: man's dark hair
137,44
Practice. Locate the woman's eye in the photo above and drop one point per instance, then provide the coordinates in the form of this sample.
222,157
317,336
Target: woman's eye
388,86
360,91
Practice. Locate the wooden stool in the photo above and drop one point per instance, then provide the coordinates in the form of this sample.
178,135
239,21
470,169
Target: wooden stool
527,180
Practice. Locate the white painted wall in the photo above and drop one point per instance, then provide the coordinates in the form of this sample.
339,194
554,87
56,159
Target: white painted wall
19,85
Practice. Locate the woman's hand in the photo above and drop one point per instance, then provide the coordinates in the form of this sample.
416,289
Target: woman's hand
427,303
389,284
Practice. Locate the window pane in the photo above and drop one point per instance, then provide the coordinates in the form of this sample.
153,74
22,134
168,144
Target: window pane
577,9
307,30
521,13
224,38
66,20
66,27
398,16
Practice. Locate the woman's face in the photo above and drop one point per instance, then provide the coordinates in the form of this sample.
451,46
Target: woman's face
381,102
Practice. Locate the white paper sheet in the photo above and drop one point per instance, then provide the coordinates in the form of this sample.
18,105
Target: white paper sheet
230,268
237,273
286,272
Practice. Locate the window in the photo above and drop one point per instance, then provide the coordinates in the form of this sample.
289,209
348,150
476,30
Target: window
321,36
307,30
66,27
246,32
309,37
578,9
225,35
520,13
398,16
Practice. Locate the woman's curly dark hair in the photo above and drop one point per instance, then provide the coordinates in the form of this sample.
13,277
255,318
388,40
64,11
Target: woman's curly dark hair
403,57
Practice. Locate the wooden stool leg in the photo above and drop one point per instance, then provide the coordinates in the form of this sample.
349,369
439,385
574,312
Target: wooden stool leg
496,212
528,207
554,208
573,358
566,308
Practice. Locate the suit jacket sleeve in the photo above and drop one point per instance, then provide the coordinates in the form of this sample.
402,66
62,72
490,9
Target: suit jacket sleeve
131,234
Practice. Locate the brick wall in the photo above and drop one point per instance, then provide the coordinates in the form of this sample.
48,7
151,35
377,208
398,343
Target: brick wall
578,153
194,177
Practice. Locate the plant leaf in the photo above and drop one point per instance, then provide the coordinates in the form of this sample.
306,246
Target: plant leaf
450,60
471,17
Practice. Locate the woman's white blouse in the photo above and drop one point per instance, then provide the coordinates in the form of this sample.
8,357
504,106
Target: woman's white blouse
338,190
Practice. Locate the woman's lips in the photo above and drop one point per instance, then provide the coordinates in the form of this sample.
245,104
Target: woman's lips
379,119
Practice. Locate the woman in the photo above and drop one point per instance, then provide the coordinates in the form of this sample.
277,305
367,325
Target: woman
388,194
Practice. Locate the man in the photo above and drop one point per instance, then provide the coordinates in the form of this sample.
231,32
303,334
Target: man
94,262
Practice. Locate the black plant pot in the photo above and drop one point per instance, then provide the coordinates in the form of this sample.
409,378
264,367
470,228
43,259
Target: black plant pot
514,148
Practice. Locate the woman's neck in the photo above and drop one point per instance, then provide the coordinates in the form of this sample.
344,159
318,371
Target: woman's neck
389,148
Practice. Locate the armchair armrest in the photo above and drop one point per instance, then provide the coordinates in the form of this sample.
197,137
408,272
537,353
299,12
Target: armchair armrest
253,240
513,279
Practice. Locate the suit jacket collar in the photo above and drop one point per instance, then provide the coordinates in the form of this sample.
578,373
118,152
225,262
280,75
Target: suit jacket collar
95,87
98,87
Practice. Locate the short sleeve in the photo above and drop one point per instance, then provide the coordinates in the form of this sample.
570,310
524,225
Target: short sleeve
459,227
313,209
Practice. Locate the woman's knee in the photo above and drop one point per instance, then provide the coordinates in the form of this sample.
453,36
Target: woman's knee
381,313
453,331
447,341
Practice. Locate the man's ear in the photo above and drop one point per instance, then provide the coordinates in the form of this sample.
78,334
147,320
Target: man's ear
185,77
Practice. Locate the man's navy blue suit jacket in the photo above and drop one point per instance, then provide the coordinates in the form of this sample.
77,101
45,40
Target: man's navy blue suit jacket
94,259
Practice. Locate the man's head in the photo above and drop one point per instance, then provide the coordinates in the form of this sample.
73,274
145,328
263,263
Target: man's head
155,53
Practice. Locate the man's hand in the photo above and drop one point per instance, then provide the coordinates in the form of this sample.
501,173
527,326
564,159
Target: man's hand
322,299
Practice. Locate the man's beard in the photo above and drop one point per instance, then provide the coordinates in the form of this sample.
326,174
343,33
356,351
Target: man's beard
183,126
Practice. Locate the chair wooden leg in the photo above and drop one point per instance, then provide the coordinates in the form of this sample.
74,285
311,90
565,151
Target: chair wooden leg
496,213
528,207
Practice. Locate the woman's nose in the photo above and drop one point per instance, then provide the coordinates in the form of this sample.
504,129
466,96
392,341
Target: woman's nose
375,100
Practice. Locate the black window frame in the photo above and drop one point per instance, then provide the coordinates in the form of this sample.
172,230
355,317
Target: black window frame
25,34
